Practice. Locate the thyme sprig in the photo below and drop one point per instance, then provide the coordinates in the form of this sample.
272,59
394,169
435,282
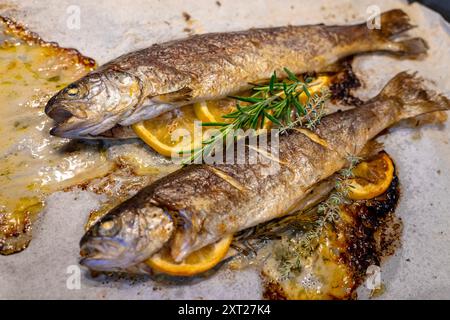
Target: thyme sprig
294,250
299,234
278,102
331,207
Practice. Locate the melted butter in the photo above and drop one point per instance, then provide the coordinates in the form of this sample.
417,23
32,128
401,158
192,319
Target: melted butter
34,164
323,274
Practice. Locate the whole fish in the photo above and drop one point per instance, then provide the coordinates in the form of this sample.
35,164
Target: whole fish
199,204
143,84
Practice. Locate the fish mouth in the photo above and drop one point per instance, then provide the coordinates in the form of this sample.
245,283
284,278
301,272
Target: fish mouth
61,130
103,255
75,128
99,264
117,132
72,122
56,110
59,115
67,125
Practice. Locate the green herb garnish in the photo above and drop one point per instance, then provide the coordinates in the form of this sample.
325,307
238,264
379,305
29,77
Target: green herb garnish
299,234
277,101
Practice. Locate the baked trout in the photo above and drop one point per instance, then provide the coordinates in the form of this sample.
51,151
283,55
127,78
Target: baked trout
199,204
143,84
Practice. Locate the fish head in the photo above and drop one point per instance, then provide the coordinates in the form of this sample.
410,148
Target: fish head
125,237
94,104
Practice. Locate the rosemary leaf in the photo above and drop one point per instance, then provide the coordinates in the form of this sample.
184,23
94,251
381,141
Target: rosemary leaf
291,75
272,118
272,81
246,99
214,124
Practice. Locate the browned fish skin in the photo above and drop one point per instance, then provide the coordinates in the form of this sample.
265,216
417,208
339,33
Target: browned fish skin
215,200
212,66
198,190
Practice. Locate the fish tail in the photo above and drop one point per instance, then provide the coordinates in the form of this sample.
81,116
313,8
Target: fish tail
413,95
394,22
413,47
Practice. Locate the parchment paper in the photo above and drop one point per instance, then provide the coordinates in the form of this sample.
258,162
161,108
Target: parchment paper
419,270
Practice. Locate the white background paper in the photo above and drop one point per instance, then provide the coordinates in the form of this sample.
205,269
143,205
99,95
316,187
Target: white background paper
420,269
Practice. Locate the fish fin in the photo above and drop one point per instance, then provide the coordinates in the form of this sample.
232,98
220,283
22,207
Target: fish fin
184,237
413,47
433,118
181,244
414,95
371,148
314,195
118,132
148,109
394,22
182,95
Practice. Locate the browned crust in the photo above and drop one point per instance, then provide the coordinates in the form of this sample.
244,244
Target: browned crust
21,32
17,239
366,240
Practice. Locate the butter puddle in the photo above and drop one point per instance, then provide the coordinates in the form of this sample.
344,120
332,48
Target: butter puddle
34,164
314,258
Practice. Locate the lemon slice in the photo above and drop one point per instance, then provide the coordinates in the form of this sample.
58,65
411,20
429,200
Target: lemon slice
322,81
171,132
212,111
372,178
175,131
197,262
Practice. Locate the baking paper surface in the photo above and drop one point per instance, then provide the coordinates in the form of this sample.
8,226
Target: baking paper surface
110,28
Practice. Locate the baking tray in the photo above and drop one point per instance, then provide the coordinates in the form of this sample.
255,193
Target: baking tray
420,269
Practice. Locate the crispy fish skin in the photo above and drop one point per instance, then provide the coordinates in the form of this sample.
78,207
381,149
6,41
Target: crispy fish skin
211,201
143,84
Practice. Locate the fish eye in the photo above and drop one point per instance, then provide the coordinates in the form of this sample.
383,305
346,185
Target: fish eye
72,91
109,228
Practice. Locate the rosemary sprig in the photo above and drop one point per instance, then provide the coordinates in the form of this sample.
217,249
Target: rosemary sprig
277,101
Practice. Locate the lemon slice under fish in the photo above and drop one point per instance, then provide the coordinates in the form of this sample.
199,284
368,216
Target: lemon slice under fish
212,111
372,178
197,262
171,132
319,83
174,131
